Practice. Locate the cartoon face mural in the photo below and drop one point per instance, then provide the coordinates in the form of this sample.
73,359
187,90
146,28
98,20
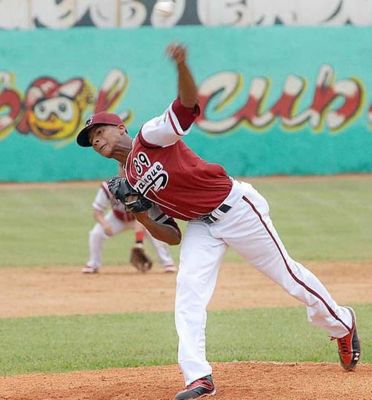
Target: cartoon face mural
53,110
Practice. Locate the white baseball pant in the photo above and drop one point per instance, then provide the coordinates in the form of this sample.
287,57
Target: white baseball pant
248,229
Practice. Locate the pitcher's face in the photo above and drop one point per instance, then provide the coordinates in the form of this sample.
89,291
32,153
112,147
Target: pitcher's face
106,139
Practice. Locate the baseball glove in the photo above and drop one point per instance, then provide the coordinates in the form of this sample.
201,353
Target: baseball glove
140,260
132,200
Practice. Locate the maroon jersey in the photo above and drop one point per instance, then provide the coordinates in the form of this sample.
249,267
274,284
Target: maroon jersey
166,171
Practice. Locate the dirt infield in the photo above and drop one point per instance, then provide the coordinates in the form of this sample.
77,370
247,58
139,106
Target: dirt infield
61,291
64,290
240,381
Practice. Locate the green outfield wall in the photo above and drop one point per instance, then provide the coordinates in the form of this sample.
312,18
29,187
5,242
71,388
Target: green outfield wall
274,100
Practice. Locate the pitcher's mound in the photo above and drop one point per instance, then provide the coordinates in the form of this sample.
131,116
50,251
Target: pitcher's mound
237,380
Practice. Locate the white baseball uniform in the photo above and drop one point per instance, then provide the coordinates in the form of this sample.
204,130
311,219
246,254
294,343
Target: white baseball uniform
221,212
119,220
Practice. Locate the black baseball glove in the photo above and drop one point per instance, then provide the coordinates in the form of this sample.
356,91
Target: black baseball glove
132,200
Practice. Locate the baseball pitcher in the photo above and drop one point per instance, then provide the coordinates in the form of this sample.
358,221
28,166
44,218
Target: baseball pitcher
220,211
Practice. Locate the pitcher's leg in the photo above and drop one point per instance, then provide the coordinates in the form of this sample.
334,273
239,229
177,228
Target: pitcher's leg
200,258
263,248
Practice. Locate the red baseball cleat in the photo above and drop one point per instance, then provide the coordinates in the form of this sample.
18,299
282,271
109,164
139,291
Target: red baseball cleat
202,387
349,347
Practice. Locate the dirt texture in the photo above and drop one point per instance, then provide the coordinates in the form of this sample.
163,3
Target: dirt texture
239,380
65,290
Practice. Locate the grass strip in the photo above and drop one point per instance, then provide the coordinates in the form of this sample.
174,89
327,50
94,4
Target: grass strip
56,344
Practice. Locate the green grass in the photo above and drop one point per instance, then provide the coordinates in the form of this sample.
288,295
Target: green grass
127,340
317,220
323,220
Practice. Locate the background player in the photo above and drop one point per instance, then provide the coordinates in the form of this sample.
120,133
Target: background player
220,212
117,220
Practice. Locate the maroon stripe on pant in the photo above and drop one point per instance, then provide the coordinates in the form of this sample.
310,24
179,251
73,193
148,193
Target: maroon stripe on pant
334,315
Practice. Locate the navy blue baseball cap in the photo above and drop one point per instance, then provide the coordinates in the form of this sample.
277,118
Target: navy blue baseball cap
100,118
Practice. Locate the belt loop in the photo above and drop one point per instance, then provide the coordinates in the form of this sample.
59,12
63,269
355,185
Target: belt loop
224,208
210,218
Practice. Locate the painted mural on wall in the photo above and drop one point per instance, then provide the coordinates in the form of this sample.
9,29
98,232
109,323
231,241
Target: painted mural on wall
282,101
53,110
62,14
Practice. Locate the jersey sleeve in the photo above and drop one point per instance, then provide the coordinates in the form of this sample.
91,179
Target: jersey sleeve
169,127
102,199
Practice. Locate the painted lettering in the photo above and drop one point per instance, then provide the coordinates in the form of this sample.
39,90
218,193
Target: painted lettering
220,90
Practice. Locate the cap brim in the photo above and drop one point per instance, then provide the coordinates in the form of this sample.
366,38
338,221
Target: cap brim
83,137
